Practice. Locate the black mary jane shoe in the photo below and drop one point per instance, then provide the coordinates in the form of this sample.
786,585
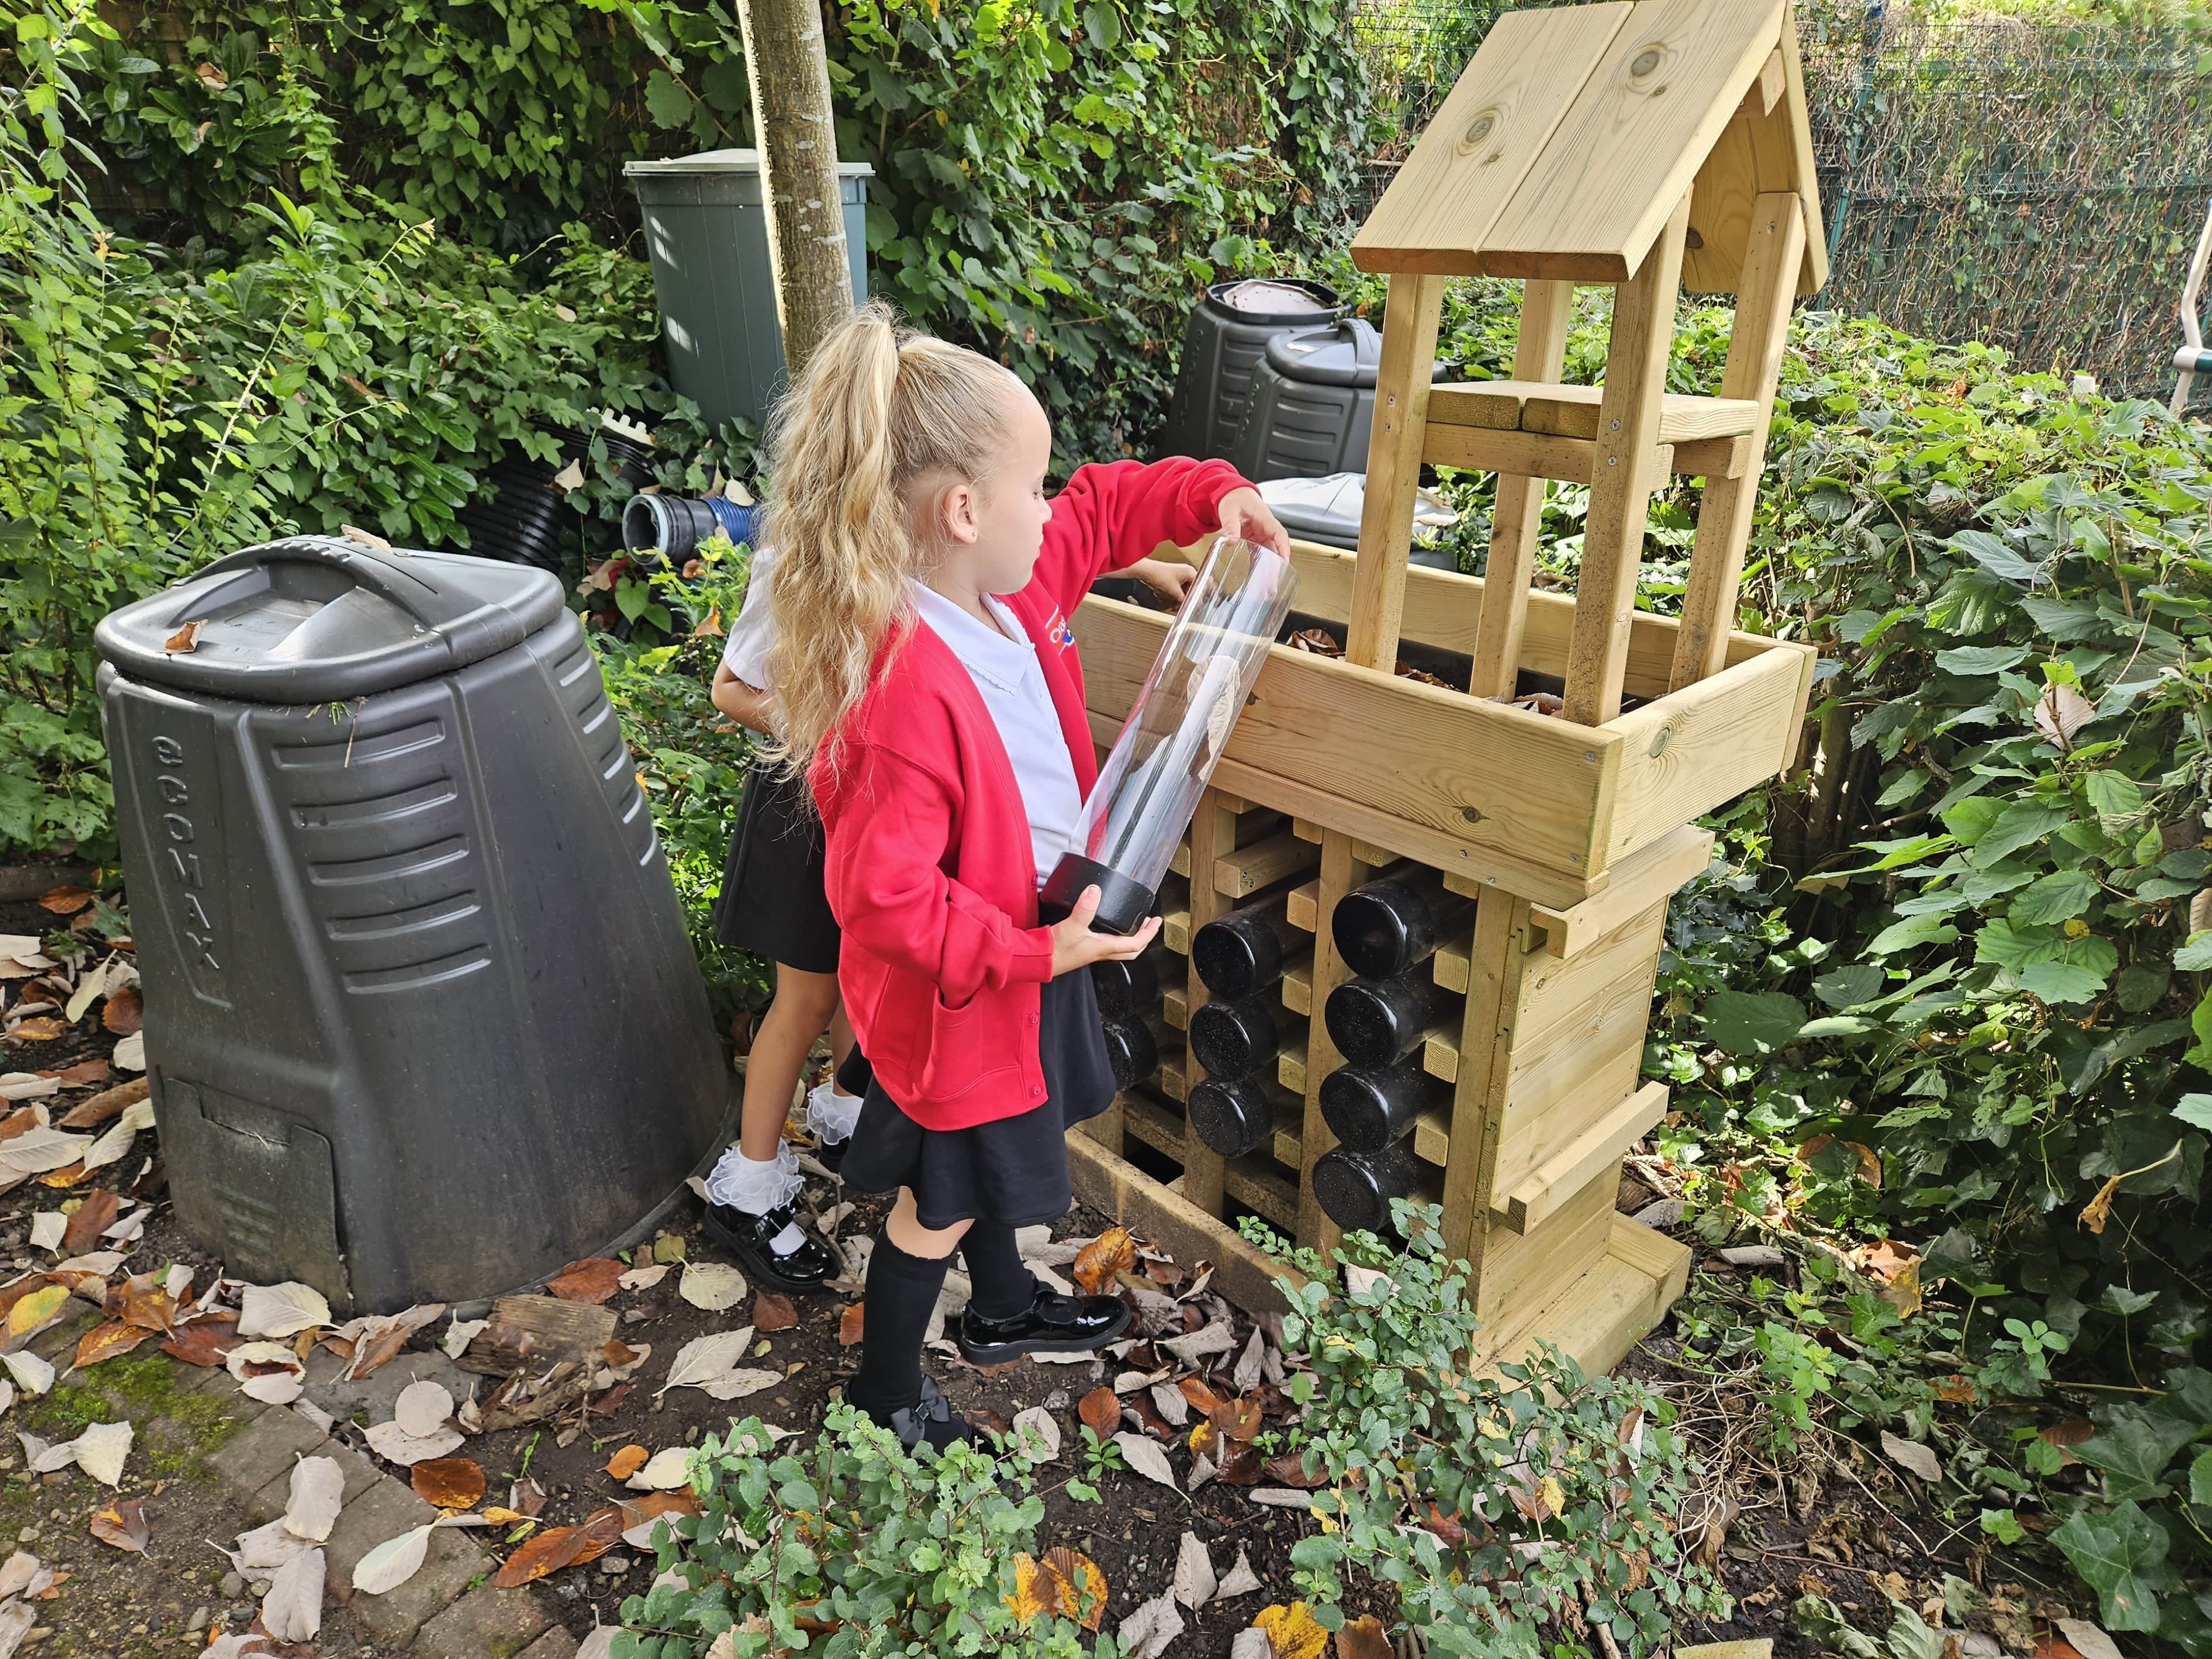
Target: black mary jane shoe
929,1419
1052,1324
811,1267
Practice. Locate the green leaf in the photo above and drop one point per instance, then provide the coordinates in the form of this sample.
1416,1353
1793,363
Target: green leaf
1851,985
2020,824
2111,796
2012,947
2133,1447
2200,1480
1752,1022
2122,1556
666,99
1102,24
1910,933
1981,659
2061,981
2141,985
1994,557
2195,1110
2058,897
2196,952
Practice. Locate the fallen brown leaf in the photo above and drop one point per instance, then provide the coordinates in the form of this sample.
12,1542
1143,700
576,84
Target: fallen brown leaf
601,1405
84,1071
1240,1419
1097,1265
107,1103
1363,1638
1101,1411
123,1524
850,1324
187,638
1237,1464
64,901
105,1341
1201,1397
17,1121
124,1014
205,1341
773,1311
449,1483
556,1547
637,1510
1291,1631
39,1028
143,1300
628,1462
1057,1587
92,1219
593,1281
68,1176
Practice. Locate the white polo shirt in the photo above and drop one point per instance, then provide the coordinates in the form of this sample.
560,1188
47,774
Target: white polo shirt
745,649
1004,666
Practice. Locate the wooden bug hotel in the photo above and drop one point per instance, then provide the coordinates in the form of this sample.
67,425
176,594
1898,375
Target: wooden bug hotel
1468,894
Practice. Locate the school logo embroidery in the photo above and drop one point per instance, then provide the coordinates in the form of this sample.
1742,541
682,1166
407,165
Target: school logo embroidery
1059,632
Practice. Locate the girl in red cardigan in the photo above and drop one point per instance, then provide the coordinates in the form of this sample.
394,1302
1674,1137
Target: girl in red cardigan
928,680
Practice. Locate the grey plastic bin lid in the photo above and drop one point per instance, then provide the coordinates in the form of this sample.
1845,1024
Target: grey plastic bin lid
315,619
1346,353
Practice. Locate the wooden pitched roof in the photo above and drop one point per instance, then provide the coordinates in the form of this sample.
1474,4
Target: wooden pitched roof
1567,143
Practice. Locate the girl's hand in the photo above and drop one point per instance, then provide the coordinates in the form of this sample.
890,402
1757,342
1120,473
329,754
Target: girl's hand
1171,578
1245,516
1075,946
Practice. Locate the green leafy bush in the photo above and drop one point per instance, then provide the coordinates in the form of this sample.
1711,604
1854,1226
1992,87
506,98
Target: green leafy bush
849,1547
1498,1506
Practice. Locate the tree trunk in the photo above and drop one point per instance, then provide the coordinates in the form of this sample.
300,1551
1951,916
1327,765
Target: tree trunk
788,69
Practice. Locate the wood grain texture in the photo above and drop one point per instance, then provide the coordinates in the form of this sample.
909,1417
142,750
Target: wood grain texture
1280,857
1539,351
1593,205
1496,959
1650,874
1535,1195
1801,175
1623,475
1522,1271
1526,405
1706,744
1492,126
1754,369
1403,379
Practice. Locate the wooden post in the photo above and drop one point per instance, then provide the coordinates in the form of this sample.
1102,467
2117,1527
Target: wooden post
1339,873
1517,522
1623,472
787,67
1394,469
1754,366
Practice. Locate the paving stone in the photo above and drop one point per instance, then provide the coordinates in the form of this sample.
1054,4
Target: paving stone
57,1342
450,1565
359,1472
374,1394
485,1624
555,1644
262,1450
385,1511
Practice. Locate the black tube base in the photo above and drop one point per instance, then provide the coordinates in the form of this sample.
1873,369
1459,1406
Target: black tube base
1233,1039
1122,904
1232,1115
1246,951
1385,927
1131,986
1378,1022
1132,1051
1368,1109
1356,1188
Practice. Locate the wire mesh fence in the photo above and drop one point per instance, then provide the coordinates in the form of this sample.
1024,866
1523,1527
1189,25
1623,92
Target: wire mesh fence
2033,185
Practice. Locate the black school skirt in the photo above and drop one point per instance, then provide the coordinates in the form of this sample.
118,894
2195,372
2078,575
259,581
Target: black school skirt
772,903
1013,1171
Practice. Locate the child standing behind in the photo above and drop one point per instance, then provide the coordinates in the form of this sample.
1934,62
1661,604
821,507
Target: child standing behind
944,734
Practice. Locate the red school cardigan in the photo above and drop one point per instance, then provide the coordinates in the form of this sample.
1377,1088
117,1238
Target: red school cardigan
929,870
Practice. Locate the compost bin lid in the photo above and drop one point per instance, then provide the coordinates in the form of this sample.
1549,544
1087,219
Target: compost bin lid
316,619
1275,299
1343,354
727,161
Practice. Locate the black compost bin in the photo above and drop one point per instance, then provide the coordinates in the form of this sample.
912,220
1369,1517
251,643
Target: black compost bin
1222,344
421,1020
1311,404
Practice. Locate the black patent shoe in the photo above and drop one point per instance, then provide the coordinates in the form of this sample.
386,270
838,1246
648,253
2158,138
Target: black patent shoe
809,1267
929,1419
1052,1324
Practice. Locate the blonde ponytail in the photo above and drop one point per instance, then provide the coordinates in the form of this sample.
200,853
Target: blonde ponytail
878,409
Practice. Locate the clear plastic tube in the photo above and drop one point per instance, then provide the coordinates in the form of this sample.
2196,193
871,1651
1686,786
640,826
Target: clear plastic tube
1175,732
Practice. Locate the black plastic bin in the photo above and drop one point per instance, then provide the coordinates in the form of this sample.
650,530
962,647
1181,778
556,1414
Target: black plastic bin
423,1023
1222,344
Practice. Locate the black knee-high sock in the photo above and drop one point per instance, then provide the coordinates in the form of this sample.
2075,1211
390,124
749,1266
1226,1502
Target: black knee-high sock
901,1292
1003,1286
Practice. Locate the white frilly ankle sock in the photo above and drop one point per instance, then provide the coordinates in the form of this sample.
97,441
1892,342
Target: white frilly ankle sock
831,1115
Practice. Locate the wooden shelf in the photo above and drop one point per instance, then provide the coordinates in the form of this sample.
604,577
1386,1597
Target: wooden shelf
1571,412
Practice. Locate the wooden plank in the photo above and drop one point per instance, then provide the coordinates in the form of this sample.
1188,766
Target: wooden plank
1539,352
1448,966
1527,1270
1492,124
1622,476
1771,84
1516,789
1290,1068
1754,369
1713,457
1664,1260
1720,206
1432,1136
1493,990
1652,873
1608,187
1521,455
1538,1192
1175,931
1802,173
1440,1054
1174,1006
1241,873
1595,1320
1571,412
1553,1098
1174,1082
1129,1198
1288,1152
1150,1123
1402,378
1303,907
1259,1186
1339,873
1305,828
1564,989
537,1331
1689,752
1297,990
1109,1126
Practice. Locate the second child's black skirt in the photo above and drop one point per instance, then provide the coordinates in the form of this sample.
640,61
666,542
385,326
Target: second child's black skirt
1013,1171
772,903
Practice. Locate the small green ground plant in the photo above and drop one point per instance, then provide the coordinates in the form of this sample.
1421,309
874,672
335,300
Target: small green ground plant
1511,1511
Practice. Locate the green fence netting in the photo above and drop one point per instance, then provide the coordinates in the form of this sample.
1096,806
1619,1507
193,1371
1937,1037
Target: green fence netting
2033,185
